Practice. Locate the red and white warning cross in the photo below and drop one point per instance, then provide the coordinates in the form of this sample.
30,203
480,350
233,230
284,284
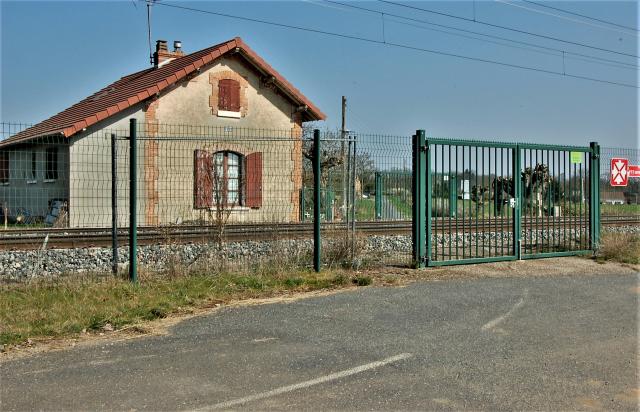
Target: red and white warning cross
619,171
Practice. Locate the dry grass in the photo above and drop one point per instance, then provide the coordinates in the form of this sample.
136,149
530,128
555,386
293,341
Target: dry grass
69,306
620,247
343,251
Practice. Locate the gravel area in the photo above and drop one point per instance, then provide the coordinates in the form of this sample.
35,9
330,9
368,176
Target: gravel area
25,265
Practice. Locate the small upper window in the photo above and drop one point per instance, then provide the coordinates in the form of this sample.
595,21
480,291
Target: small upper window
52,164
4,167
229,95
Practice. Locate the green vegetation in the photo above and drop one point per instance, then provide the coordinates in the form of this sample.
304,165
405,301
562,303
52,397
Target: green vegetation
619,210
67,307
404,207
365,209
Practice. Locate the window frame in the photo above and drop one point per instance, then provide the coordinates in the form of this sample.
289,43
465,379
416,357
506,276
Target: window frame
241,184
5,174
33,172
52,162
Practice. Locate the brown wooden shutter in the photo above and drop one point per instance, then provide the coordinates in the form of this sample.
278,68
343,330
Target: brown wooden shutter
254,180
229,95
202,182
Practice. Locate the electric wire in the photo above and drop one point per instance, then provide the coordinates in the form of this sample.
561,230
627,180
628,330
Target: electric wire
398,45
560,51
514,4
513,29
580,15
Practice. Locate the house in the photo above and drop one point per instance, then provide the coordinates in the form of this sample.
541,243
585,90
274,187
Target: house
66,159
612,197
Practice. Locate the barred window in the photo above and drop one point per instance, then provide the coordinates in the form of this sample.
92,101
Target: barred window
4,167
52,164
34,162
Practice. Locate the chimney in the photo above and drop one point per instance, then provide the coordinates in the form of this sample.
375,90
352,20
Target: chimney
163,55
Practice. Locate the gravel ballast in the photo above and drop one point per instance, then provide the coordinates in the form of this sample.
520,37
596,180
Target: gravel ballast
26,265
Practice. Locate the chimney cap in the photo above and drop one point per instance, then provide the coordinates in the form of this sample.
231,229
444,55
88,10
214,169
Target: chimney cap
161,45
177,45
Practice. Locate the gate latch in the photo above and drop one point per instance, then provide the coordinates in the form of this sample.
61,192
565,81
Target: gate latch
512,203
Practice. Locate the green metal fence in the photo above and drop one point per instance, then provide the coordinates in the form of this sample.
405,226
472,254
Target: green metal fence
491,201
619,201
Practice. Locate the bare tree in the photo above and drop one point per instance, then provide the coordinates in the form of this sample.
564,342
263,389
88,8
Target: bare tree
221,212
330,153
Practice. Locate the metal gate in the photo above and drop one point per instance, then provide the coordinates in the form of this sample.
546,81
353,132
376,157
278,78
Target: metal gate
478,201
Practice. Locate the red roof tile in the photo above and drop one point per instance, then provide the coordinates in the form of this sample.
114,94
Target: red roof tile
141,85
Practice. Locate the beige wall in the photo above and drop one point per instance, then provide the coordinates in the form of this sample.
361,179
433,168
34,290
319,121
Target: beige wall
90,173
166,167
190,103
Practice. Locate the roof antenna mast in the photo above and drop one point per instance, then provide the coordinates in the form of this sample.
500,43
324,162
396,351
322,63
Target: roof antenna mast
149,4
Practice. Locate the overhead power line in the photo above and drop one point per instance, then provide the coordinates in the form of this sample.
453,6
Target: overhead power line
559,16
513,29
537,46
392,44
580,15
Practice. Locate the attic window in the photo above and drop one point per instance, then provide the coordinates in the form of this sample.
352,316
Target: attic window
228,98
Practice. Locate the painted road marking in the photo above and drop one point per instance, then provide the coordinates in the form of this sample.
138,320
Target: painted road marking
306,384
495,322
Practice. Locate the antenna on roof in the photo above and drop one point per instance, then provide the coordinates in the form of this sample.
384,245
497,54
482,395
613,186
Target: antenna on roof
149,4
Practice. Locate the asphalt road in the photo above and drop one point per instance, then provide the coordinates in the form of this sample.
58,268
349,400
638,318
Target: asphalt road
546,343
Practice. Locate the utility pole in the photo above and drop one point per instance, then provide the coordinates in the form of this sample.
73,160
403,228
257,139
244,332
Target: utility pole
343,133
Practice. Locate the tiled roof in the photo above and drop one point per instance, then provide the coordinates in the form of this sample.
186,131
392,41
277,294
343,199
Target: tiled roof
139,86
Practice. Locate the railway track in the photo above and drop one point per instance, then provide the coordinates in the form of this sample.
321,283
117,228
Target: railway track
29,239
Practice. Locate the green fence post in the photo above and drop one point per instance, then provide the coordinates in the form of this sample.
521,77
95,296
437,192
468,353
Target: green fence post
517,210
302,205
316,200
594,202
114,204
453,196
421,222
133,202
378,189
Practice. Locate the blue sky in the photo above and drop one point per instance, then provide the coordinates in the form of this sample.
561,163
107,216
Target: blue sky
56,53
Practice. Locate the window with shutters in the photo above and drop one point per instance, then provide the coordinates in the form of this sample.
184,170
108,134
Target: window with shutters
227,179
4,167
228,98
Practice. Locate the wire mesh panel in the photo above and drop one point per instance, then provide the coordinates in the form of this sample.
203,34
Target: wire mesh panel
56,190
471,201
622,202
362,223
555,201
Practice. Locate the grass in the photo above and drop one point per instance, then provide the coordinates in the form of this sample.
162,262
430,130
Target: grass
365,209
619,247
621,210
403,206
54,309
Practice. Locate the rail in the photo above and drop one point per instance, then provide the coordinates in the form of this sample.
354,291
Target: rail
33,238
